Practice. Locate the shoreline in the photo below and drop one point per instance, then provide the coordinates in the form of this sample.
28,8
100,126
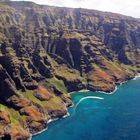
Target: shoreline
83,90
137,76
49,121
116,87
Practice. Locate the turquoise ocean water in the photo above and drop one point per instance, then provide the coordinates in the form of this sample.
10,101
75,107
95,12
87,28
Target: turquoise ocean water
97,116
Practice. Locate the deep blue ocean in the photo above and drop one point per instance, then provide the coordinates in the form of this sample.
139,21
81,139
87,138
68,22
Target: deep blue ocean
97,116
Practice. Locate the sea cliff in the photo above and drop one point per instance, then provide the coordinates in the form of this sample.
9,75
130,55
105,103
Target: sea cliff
47,52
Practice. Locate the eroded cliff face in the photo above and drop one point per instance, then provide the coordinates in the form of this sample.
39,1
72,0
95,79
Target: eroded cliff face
46,52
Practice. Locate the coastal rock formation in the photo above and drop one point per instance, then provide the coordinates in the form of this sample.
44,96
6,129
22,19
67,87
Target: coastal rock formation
46,52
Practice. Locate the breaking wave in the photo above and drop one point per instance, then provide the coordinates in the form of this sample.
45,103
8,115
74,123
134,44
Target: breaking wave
89,97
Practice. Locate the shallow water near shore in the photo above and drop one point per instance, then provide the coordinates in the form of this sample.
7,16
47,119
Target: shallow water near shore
97,116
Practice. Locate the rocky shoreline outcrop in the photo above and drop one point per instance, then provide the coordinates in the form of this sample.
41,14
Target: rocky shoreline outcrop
47,52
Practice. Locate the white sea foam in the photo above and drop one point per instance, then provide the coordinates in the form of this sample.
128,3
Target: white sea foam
67,115
137,76
84,90
49,121
37,133
89,97
109,92
72,105
71,93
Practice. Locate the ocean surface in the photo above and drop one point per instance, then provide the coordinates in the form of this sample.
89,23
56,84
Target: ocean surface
97,116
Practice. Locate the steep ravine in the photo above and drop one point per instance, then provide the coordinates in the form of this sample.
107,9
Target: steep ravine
46,52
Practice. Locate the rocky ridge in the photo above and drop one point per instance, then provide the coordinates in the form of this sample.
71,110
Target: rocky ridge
46,52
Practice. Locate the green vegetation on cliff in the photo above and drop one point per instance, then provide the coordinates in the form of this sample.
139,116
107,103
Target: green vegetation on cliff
46,52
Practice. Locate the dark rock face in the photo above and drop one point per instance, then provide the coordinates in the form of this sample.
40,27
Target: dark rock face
46,52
